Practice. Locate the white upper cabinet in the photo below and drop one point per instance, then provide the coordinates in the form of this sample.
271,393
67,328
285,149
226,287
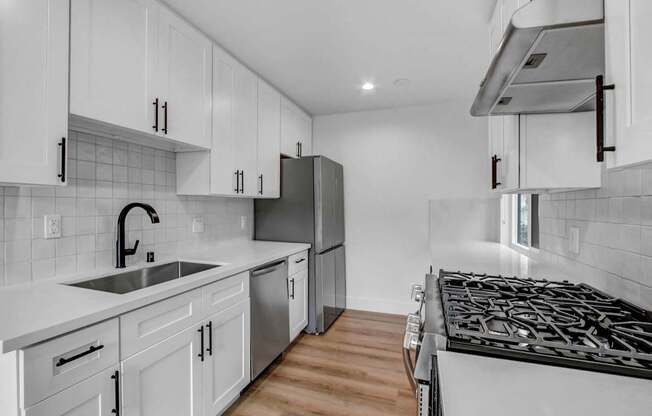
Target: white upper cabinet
296,130
138,67
183,74
112,61
235,112
269,141
628,108
34,91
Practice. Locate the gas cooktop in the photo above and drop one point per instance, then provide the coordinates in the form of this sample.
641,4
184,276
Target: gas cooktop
561,323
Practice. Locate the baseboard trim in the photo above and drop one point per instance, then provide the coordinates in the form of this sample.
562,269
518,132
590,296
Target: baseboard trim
380,305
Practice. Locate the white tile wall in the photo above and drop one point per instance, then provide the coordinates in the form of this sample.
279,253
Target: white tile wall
105,175
615,224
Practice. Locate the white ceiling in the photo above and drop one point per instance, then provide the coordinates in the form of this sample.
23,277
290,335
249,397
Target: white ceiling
320,52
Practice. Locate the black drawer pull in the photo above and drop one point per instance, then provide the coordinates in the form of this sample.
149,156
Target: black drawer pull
292,283
62,145
209,325
165,118
116,377
92,349
600,88
242,181
301,260
155,104
201,345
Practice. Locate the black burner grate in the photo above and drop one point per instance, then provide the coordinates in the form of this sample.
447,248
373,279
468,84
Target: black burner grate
552,322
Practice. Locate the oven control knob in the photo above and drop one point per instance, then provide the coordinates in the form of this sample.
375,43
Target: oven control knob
413,328
413,318
411,341
417,292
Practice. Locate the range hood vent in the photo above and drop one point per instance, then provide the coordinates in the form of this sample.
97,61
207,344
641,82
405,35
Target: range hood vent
547,62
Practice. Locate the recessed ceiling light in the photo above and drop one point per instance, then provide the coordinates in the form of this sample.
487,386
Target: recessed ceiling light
368,86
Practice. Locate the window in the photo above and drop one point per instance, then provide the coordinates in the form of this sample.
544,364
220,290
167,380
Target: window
526,220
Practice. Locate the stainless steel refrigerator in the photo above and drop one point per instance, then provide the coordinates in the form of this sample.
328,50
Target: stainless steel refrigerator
311,210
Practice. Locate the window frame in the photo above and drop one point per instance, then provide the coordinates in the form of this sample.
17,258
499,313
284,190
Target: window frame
514,225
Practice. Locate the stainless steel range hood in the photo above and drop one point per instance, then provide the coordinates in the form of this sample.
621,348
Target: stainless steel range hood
547,61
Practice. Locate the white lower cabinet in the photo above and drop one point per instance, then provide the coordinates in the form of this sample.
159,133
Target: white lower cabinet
95,396
165,380
298,289
226,371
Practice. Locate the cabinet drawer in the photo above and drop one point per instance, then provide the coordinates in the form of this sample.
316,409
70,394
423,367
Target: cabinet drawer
54,365
226,293
298,262
147,326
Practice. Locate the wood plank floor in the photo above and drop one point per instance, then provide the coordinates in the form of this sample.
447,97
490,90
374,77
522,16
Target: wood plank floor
355,369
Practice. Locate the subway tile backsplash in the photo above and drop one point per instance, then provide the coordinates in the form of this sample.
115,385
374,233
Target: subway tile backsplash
105,175
615,224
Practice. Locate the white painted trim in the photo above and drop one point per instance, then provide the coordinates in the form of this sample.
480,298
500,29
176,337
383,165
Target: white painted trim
380,305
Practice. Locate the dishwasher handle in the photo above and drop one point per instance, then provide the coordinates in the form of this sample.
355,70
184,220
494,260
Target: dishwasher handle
269,268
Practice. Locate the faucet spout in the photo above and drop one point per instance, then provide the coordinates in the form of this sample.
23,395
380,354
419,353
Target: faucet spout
121,250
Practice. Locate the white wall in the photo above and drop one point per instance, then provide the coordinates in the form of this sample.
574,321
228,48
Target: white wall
395,162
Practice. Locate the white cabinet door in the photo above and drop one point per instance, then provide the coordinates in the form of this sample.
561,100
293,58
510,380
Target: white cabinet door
235,113
165,379
184,80
245,129
95,396
628,61
296,130
34,90
227,371
269,141
509,164
305,136
298,289
112,61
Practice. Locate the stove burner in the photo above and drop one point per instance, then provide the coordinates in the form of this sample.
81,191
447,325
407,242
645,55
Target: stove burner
555,322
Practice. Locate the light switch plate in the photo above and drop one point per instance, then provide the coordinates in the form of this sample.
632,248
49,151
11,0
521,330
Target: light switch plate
198,225
52,226
574,240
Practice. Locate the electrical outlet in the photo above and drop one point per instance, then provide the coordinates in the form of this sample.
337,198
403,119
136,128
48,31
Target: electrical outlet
574,240
52,226
198,225
243,222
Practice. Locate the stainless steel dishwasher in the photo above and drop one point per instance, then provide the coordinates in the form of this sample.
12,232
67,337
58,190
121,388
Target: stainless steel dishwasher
270,316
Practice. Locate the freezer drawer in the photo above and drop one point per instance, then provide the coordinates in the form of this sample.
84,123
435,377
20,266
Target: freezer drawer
330,277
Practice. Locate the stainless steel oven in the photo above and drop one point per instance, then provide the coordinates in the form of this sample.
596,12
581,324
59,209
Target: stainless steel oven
425,334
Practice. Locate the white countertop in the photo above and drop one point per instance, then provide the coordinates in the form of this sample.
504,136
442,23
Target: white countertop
474,385
34,312
490,258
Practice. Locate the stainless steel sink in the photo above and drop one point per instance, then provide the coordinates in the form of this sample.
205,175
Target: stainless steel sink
138,279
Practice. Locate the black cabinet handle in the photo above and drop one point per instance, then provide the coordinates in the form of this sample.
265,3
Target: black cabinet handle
494,171
165,118
237,181
155,104
260,177
209,325
116,377
301,260
292,284
242,181
201,344
62,174
298,149
600,88
92,349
